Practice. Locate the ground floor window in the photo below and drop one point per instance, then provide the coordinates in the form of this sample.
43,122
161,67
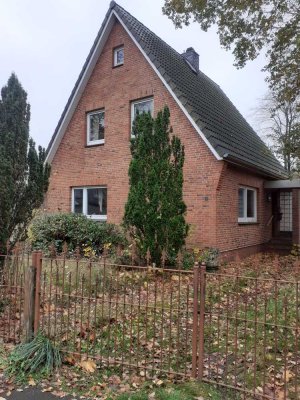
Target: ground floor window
247,205
90,201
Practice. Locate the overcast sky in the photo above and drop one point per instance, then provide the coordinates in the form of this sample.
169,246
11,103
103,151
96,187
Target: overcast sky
45,42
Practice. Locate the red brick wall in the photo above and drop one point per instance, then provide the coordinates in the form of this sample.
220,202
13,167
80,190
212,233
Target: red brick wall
114,89
231,234
212,213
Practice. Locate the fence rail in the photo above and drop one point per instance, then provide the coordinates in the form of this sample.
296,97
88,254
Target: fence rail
240,332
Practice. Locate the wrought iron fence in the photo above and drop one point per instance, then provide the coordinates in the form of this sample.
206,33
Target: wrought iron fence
12,274
235,330
138,317
252,335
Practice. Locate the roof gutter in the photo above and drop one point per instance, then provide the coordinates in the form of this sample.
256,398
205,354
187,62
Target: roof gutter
261,171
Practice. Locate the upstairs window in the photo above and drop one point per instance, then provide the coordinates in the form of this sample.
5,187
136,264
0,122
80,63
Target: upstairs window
140,107
247,205
118,56
90,201
95,127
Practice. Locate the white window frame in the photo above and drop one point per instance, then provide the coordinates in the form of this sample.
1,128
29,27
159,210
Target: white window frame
85,202
116,50
246,219
133,103
94,142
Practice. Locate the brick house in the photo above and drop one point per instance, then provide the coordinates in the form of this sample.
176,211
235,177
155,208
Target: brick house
227,167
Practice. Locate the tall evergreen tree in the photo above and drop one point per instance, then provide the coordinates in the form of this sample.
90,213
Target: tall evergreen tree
23,174
154,212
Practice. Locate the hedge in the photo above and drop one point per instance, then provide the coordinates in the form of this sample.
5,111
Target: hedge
76,231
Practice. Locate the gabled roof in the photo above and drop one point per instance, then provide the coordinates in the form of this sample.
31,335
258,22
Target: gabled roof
218,122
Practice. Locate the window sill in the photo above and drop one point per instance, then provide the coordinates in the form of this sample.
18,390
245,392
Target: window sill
95,144
118,65
97,218
248,223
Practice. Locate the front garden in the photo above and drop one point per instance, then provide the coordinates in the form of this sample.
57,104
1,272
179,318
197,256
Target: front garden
125,322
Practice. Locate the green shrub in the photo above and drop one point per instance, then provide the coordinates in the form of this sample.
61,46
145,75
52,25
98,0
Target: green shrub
210,256
187,260
39,355
74,230
295,250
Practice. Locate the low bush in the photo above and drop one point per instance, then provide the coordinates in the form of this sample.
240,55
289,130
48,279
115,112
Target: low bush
76,231
186,261
39,355
210,256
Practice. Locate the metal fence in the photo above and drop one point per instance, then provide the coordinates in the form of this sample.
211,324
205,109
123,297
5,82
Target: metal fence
137,317
12,273
235,330
252,335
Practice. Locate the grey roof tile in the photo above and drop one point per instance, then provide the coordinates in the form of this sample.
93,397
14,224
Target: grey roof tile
222,124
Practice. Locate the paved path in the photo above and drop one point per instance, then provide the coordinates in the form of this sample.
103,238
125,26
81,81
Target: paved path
34,394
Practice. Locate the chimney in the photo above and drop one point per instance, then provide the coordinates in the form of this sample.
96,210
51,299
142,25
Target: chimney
192,57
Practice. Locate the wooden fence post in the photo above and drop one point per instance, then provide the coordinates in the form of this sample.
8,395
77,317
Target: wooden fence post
195,319
29,299
201,321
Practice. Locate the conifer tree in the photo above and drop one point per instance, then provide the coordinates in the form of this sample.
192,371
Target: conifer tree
155,210
23,174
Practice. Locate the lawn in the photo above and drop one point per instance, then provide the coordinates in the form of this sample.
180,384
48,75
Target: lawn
186,391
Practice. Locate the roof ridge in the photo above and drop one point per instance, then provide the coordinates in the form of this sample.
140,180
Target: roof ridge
113,4
145,27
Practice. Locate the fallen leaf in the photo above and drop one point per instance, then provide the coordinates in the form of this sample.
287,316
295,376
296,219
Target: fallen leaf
70,360
31,382
88,365
288,375
48,389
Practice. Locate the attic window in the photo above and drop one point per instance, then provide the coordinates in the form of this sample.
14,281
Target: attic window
140,107
118,56
95,127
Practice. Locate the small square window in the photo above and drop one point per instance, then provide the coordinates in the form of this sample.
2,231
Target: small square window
247,205
140,107
118,56
90,201
95,127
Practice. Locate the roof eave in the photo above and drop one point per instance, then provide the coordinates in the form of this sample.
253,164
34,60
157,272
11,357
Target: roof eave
80,84
254,168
